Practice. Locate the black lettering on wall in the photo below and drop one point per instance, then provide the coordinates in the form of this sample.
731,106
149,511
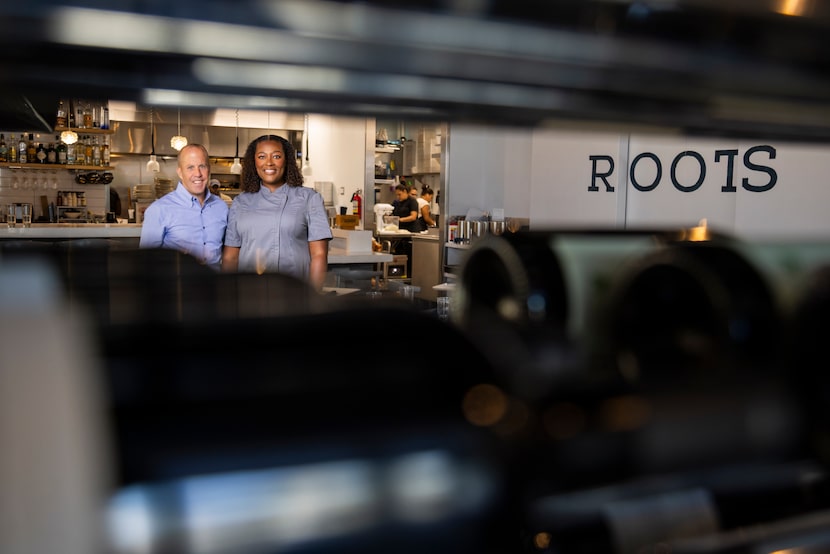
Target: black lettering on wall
773,175
701,177
604,176
657,177
729,186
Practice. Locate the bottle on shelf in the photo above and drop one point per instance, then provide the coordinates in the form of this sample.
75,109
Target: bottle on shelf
31,150
71,156
41,153
22,149
87,150
4,151
87,116
96,152
105,152
51,152
60,116
12,152
60,151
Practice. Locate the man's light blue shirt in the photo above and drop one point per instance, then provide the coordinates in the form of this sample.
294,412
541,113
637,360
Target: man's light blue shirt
177,221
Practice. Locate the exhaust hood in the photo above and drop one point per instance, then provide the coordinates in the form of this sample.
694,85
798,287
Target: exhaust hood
214,128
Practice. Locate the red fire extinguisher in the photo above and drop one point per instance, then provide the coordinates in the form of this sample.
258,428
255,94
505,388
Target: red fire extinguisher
357,203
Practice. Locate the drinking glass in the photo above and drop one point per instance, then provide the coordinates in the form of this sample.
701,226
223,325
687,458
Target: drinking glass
27,215
443,308
11,216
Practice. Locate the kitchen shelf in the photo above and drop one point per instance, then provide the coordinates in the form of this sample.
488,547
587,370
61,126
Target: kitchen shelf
459,246
57,166
384,181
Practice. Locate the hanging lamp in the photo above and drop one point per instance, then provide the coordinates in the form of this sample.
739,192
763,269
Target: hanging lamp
178,142
153,164
69,136
306,164
236,168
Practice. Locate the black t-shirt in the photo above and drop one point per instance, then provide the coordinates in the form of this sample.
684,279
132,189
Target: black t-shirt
404,209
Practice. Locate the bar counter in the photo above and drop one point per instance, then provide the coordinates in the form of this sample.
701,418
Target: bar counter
62,231
81,231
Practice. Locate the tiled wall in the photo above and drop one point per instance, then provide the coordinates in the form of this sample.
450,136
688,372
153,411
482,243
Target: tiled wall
28,185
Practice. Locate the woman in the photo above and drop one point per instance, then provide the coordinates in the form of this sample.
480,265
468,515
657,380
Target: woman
275,224
424,208
406,209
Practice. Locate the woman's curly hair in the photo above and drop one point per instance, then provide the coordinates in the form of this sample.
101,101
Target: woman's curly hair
250,178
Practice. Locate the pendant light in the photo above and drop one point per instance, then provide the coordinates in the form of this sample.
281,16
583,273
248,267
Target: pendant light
153,165
306,164
69,136
236,168
178,142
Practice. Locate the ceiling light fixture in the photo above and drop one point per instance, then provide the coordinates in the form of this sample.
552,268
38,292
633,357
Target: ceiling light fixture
178,142
69,136
236,168
153,165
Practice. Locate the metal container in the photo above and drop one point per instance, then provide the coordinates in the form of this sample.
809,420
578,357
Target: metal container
497,227
478,229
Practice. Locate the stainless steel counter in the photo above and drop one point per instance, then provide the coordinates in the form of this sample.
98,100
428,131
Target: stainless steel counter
71,231
74,231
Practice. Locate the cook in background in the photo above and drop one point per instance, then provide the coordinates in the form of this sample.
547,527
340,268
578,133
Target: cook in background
425,208
406,209
276,224
214,188
188,219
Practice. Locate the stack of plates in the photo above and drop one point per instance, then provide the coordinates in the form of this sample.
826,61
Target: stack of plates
144,193
163,186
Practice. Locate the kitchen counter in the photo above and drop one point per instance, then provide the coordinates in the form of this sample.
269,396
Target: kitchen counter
71,231
341,256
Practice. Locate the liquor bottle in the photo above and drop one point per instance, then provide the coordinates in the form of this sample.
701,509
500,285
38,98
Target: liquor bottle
12,153
71,150
4,151
51,152
105,152
41,153
71,117
87,150
31,150
22,150
60,117
96,152
61,150
87,116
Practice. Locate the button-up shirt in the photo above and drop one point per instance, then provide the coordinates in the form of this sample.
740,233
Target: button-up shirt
177,221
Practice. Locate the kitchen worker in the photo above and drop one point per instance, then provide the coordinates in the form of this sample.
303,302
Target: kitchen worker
425,208
276,224
406,209
189,218
214,189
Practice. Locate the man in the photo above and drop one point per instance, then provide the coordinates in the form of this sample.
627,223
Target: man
189,219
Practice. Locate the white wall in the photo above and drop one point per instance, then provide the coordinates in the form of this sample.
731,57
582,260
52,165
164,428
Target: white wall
488,168
337,153
546,175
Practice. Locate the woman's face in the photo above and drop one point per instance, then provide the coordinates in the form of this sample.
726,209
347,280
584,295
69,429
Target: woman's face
269,159
401,194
